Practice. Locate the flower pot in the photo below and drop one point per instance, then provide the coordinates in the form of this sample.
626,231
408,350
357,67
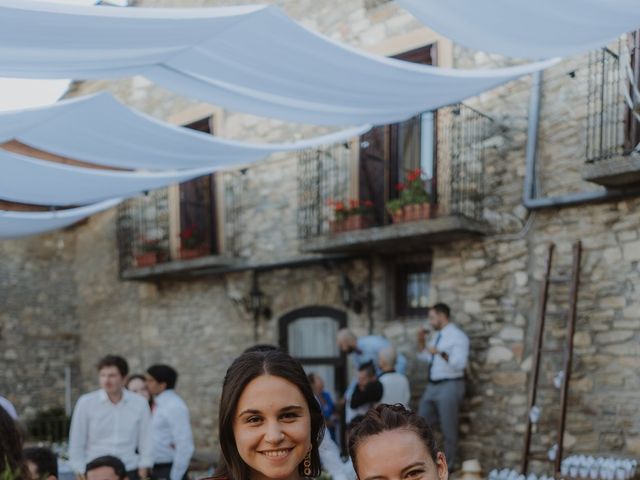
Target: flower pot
417,211
397,216
358,222
194,252
337,226
146,259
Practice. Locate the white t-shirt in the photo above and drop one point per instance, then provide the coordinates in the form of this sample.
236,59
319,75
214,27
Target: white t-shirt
395,389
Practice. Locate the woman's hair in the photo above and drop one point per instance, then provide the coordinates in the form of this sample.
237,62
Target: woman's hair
243,370
11,460
391,417
135,376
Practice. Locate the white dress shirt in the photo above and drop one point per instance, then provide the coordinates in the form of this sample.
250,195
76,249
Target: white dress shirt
100,427
455,343
395,388
171,433
331,461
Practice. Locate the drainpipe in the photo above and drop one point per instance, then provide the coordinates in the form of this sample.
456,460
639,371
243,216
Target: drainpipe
529,199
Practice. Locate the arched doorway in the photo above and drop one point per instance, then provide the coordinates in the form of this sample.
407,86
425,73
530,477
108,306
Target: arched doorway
309,335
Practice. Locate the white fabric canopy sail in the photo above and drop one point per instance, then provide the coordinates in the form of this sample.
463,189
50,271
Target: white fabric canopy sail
529,29
21,224
98,129
252,59
30,180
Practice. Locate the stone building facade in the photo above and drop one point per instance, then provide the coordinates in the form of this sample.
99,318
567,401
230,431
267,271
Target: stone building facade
65,303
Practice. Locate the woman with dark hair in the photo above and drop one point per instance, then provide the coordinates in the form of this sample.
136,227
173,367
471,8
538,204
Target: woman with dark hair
393,443
270,424
11,461
137,383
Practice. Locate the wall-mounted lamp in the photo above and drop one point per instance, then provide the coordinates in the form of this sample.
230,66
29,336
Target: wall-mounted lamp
353,297
255,303
258,304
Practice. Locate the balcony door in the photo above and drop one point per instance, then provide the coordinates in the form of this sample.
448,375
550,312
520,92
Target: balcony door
389,152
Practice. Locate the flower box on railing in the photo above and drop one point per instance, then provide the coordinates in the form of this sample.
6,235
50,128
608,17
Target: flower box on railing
194,252
354,215
416,211
146,259
352,222
413,202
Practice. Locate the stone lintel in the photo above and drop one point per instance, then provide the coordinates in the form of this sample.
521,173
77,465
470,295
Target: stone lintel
614,172
403,237
176,268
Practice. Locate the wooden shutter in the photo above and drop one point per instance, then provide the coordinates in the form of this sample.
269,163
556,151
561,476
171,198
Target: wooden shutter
372,170
632,126
197,200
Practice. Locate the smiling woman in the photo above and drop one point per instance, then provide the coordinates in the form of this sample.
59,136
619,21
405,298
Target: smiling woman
270,424
393,443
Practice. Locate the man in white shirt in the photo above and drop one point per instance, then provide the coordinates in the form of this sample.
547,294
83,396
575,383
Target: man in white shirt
447,354
395,386
170,426
111,421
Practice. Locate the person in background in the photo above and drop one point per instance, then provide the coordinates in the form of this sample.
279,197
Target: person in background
137,383
107,467
41,462
369,390
11,462
171,435
447,354
111,421
392,443
325,401
366,349
395,386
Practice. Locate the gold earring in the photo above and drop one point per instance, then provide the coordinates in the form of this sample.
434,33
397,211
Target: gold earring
307,464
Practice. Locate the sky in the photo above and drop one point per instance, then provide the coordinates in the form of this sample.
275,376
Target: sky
18,93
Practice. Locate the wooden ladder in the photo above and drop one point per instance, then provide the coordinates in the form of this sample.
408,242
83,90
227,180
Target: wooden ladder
567,351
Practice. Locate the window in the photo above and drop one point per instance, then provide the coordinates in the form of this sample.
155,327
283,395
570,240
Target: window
412,282
388,152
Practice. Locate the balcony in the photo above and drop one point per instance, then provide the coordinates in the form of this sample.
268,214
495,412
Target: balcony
448,147
177,231
613,121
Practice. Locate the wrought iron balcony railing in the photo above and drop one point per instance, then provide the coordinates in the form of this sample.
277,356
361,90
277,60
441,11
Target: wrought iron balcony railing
193,220
448,146
613,102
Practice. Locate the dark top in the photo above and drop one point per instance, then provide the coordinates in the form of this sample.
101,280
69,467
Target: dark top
371,393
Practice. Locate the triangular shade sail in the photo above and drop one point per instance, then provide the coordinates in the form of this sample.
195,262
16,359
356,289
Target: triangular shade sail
529,29
29,180
100,130
250,59
22,224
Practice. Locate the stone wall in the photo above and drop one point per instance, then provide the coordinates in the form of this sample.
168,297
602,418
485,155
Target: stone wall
65,285
38,323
